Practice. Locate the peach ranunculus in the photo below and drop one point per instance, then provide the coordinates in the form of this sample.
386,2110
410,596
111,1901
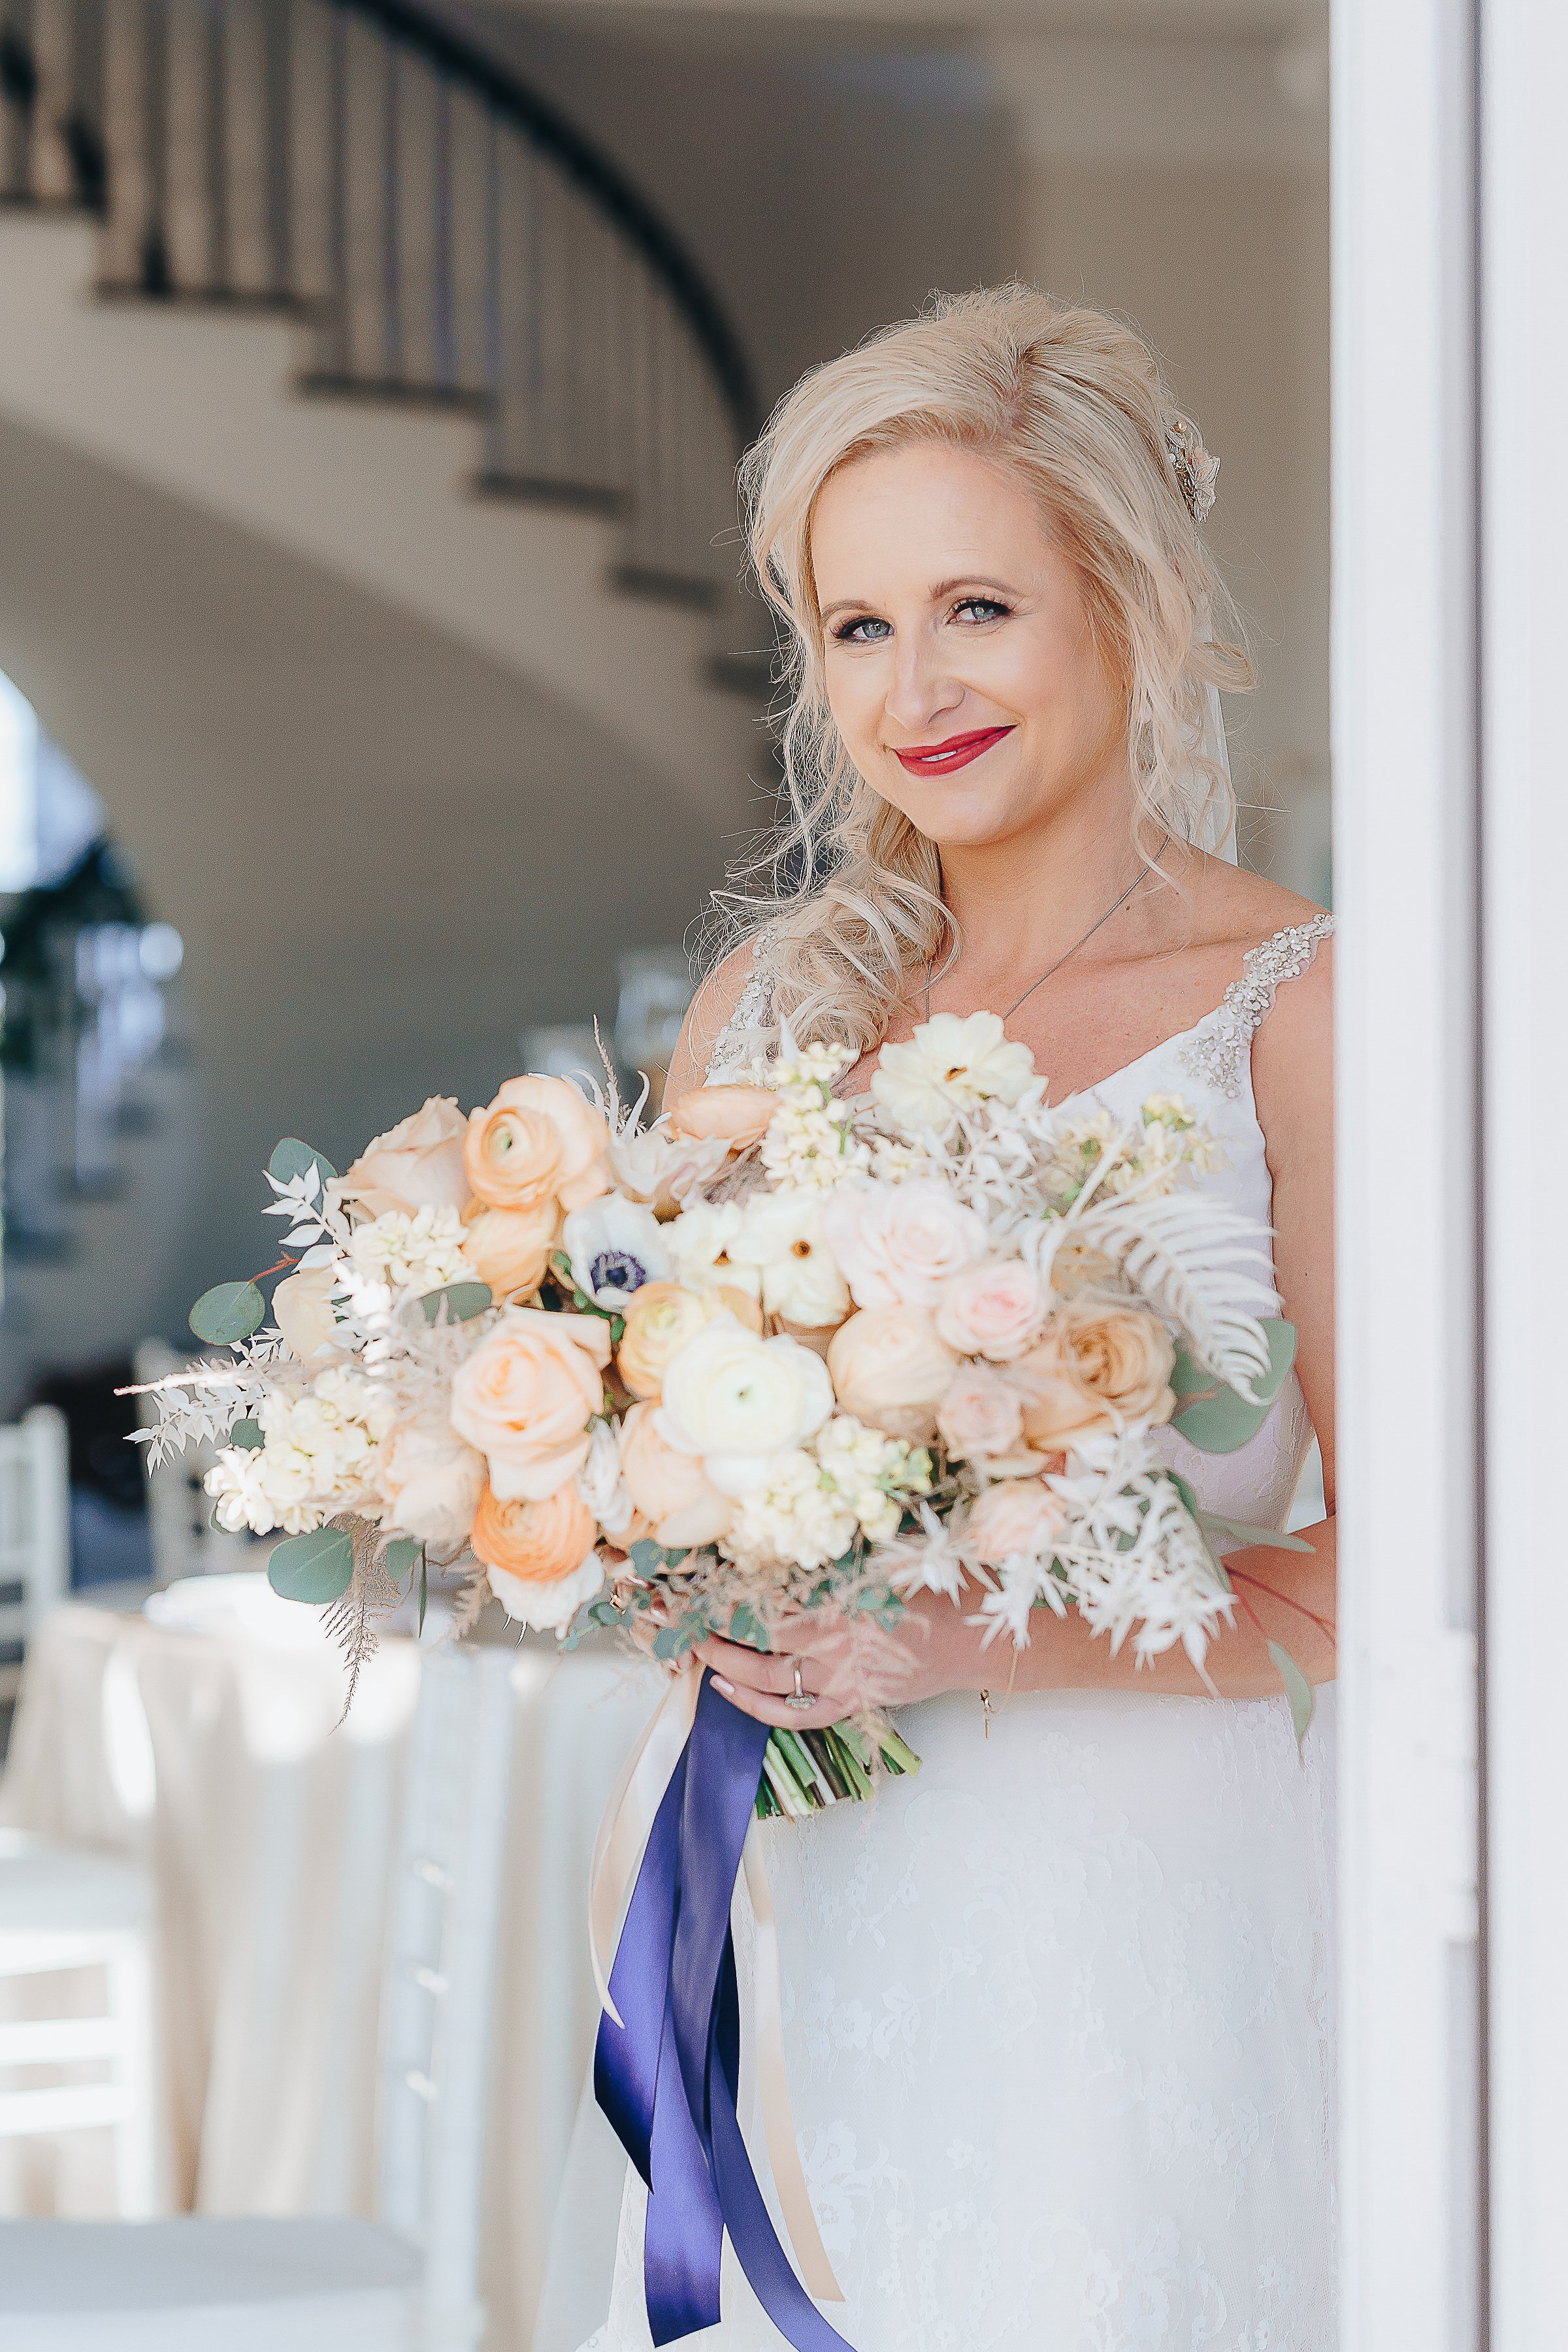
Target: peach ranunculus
739,1115
980,1415
418,1164
892,1370
540,1554
1096,1368
671,1490
994,1310
1016,1519
510,1248
303,1310
430,1480
901,1244
660,1318
526,1395
539,1138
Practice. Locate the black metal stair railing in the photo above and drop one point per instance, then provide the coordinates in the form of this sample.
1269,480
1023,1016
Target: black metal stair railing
446,235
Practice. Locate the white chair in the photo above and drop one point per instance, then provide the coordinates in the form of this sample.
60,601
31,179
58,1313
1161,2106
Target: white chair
64,1908
35,1532
179,1510
408,2282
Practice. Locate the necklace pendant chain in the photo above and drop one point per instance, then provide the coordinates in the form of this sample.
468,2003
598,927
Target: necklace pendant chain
1143,872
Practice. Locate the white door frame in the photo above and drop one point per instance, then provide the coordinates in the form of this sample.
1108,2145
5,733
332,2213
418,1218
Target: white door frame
1450,625
1407,784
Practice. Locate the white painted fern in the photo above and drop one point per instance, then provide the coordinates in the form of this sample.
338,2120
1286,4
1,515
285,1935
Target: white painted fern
1187,1254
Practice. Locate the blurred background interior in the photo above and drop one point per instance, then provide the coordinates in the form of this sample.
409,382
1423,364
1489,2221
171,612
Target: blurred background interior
379,701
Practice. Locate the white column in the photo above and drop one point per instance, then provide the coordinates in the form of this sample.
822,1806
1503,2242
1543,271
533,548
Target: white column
1406,825
1524,213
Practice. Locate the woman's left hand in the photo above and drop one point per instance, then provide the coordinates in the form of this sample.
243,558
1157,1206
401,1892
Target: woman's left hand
846,1664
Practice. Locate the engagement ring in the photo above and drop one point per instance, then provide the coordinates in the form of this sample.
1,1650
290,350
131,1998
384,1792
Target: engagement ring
801,1697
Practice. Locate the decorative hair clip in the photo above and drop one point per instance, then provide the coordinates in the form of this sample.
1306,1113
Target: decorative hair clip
1194,469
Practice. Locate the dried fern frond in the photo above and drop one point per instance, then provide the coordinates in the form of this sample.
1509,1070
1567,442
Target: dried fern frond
1186,1256
351,1622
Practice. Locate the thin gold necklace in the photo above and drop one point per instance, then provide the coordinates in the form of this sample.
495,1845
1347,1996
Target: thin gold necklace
1143,872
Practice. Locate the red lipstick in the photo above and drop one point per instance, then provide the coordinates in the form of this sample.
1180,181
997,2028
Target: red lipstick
956,751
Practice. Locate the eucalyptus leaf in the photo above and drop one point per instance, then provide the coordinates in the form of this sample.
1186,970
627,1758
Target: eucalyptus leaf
316,1567
249,1434
1216,1418
746,1626
647,1557
674,1641
292,1158
1298,1689
464,1300
228,1312
423,1588
1216,1523
401,1554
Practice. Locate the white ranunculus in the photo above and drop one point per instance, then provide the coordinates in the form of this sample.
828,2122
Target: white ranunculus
600,1483
949,1065
783,1239
737,1400
615,1246
702,1242
547,1608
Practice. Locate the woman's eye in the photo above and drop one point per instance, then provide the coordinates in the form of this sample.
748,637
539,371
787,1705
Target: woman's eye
866,631
980,608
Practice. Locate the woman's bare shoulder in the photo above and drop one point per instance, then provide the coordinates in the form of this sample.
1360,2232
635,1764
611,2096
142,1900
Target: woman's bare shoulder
707,1017
1241,908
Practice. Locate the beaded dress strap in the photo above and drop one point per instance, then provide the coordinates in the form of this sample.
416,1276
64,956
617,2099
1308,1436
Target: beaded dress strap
749,1031
1218,1050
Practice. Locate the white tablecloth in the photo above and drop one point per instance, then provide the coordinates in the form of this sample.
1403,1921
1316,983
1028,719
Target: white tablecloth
270,1832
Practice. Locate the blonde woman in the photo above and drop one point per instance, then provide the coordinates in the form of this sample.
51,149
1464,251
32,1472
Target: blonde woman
1059,2008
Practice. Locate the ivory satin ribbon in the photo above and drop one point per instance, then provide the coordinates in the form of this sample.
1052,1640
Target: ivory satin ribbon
618,1852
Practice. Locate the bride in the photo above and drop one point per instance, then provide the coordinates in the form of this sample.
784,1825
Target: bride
1057,2008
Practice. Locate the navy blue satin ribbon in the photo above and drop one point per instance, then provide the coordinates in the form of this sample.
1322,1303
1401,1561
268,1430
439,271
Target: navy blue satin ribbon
668,2078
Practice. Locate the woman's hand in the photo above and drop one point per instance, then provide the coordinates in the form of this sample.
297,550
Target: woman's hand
848,1664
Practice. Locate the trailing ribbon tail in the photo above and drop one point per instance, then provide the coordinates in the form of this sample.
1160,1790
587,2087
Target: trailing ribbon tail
667,2068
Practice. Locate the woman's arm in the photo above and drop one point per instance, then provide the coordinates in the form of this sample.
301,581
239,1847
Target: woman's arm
1281,1596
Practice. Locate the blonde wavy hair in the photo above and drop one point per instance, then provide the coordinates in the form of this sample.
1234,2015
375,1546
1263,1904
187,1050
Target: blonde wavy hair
1074,403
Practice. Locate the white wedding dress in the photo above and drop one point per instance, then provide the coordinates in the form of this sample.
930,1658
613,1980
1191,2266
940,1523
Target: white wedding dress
1059,2008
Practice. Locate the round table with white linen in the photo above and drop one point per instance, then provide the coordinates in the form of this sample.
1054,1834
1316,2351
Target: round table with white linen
207,1741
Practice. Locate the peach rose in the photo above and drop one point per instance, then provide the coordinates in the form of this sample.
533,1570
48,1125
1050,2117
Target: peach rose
670,1490
526,1395
890,1370
303,1310
540,1136
1096,1368
981,1413
1019,1518
661,1317
510,1248
418,1164
901,1244
739,1115
995,1309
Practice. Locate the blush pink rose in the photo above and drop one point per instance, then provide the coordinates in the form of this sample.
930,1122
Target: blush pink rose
902,1245
890,1370
1020,1517
980,1415
526,1395
995,1309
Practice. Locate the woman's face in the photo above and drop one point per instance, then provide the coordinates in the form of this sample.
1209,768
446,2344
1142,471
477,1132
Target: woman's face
961,671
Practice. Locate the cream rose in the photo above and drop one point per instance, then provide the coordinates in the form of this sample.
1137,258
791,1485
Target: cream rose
735,1398
1017,1520
526,1395
431,1481
892,1370
994,1309
510,1248
539,1137
671,1489
981,1413
303,1310
1096,1368
418,1164
739,1115
901,1244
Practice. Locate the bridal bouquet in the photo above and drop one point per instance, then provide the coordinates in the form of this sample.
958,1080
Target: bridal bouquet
775,1349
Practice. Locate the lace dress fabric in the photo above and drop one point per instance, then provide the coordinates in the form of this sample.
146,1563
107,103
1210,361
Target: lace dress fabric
1059,2008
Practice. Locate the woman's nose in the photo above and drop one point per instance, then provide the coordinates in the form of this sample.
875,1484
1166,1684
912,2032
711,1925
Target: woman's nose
920,690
